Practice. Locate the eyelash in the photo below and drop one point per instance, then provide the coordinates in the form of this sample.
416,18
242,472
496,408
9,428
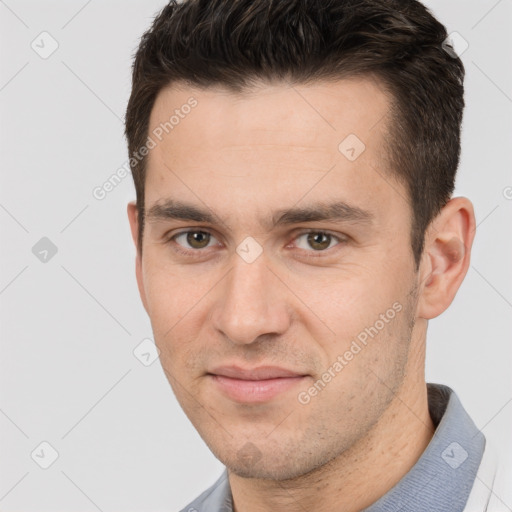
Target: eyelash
197,252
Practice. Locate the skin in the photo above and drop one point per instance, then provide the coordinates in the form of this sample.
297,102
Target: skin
297,306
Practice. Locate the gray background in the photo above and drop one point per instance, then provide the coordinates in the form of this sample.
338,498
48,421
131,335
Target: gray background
70,324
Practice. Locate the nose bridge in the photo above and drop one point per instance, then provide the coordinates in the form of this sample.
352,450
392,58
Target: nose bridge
251,303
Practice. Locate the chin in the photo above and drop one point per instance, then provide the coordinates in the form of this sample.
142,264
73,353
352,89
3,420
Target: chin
265,471
273,463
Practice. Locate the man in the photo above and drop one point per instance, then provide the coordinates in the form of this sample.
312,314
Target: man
294,165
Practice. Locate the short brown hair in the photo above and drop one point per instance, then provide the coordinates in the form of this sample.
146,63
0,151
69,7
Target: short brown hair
237,43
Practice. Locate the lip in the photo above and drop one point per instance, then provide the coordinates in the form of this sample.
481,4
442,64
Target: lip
254,385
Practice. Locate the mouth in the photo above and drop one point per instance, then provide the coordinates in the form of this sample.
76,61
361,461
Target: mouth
256,385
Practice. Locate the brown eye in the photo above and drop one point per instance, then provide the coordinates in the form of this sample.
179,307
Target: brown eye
319,241
198,239
191,240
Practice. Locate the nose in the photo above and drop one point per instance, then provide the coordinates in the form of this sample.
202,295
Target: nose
252,302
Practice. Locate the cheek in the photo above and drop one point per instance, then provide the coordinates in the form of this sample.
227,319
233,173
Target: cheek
170,289
368,362
174,303
371,320
347,300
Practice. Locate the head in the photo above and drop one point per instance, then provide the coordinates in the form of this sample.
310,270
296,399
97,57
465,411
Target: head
294,163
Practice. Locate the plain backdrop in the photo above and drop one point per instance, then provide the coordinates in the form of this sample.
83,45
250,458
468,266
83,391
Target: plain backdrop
71,313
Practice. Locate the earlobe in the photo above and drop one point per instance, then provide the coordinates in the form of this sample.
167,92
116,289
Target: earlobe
445,262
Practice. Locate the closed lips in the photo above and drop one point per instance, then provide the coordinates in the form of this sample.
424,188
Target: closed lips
260,373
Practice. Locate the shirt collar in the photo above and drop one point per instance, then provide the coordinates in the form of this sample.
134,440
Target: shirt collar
441,479
443,476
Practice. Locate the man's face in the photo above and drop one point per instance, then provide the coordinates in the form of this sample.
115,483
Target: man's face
251,314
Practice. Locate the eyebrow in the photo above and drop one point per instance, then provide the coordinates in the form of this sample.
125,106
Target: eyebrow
338,211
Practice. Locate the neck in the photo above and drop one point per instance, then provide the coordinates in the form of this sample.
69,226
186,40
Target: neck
362,474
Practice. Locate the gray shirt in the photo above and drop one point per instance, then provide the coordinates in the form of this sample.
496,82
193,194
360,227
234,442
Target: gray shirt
440,481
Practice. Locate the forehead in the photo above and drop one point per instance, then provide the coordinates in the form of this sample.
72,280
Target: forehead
269,145
314,116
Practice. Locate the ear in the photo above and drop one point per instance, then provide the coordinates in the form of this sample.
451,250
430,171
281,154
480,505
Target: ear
446,254
133,218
